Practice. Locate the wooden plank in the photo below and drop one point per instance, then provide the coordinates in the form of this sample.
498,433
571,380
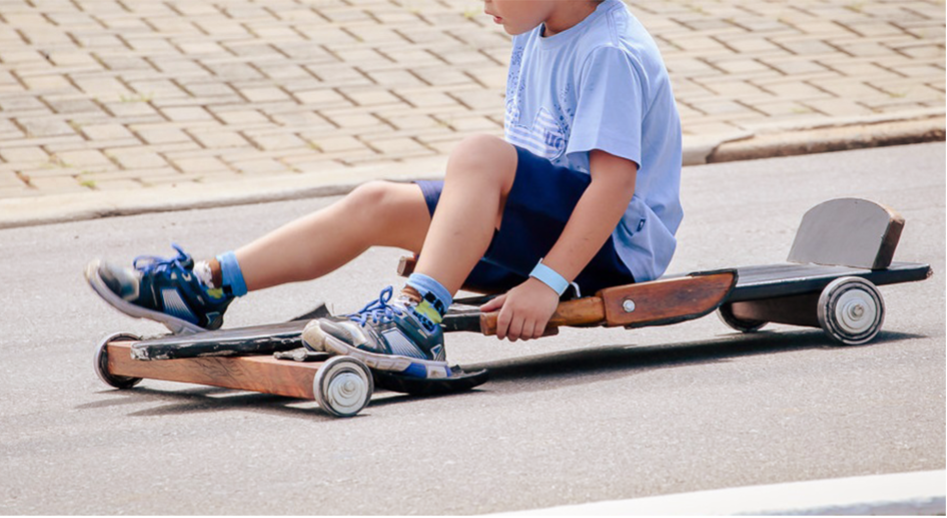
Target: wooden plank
797,310
254,373
848,232
667,301
406,265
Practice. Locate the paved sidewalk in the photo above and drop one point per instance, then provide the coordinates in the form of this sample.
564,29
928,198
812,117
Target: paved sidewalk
104,97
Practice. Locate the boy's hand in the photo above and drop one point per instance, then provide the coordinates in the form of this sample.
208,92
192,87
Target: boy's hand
524,310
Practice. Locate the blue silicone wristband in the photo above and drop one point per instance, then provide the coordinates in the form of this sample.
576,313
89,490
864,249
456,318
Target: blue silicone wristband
550,277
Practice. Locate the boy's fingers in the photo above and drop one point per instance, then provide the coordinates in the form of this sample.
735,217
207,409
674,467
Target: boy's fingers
516,329
503,323
494,304
528,330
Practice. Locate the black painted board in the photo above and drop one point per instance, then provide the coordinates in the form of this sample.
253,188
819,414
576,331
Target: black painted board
785,279
239,341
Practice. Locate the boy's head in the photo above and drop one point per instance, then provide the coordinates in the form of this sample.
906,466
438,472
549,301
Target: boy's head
519,16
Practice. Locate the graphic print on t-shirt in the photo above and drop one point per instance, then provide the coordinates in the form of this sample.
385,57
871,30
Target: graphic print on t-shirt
545,137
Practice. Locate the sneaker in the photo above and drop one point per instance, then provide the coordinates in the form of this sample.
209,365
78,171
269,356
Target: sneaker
391,336
159,289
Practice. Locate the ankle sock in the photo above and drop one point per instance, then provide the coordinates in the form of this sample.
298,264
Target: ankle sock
232,281
435,299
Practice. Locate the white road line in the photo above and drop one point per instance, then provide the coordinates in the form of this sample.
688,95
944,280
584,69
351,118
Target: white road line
919,493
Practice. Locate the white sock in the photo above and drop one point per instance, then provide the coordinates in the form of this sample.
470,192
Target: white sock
203,273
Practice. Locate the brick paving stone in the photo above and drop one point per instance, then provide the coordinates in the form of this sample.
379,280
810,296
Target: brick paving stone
122,174
108,131
472,124
275,141
22,104
201,165
24,155
9,179
736,89
302,120
116,185
777,108
159,133
288,85
838,107
371,97
9,131
187,114
425,98
333,144
45,126
219,92
398,146
131,109
260,166
216,138
136,158
240,116
263,94
57,185
323,97
352,120
85,159
793,66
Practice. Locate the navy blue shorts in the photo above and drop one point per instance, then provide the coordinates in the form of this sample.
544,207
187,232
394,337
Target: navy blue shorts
540,203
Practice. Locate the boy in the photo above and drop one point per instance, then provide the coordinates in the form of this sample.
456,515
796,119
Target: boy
584,188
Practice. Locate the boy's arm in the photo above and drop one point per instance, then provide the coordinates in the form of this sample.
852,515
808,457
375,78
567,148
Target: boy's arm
596,215
525,310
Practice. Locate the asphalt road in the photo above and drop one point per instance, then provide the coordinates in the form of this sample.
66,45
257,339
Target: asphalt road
587,416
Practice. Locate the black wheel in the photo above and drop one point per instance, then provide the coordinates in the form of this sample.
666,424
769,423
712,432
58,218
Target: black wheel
102,362
725,312
343,386
851,310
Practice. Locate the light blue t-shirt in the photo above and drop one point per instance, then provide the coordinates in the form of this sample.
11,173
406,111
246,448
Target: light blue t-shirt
603,85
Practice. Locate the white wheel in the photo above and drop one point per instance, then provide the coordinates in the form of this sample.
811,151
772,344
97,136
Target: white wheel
851,310
101,363
343,386
725,313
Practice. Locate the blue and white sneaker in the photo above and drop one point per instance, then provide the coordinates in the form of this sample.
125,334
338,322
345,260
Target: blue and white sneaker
162,289
398,336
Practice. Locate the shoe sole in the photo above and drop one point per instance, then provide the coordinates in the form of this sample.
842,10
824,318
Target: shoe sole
317,340
174,324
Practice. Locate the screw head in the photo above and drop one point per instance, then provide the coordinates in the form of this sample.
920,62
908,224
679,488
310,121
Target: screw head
628,305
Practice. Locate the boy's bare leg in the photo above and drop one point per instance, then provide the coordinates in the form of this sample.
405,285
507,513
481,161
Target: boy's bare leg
480,174
374,214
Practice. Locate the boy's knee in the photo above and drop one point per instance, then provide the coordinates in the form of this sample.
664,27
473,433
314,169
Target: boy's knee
483,154
370,195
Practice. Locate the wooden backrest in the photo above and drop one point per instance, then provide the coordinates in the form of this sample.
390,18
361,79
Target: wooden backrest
848,232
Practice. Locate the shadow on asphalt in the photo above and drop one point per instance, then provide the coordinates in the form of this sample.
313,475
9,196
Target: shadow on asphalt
568,367
585,362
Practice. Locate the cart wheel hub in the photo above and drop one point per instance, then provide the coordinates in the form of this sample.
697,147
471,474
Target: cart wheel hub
855,312
344,390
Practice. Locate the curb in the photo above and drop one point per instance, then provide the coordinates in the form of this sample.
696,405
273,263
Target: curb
866,132
916,494
826,139
62,208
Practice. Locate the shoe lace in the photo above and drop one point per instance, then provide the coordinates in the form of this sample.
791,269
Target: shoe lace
148,264
379,311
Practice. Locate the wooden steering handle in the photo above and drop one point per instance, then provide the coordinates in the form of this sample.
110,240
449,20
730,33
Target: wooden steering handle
586,311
